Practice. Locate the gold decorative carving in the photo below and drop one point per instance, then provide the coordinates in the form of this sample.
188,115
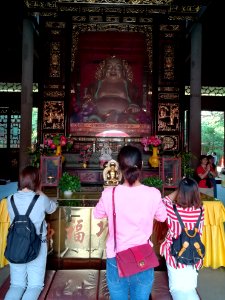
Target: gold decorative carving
55,32
185,8
54,4
168,96
79,19
181,18
54,64
69,8
170,142
168,117
168,89
91,9
169,35
116,10
53,115
54,86
49,14
55,25
95,18
129,20
113,19
168,63
136,10
180,11
54,94
146,20
169,28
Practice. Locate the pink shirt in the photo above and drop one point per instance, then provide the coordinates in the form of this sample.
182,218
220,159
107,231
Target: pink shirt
136,208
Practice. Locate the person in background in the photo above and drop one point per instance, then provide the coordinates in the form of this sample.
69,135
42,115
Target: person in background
27,280
214,157
214,174
136,207
204,172
182,278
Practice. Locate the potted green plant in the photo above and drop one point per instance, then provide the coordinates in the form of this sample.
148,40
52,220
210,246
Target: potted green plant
69,182
186,159
153,181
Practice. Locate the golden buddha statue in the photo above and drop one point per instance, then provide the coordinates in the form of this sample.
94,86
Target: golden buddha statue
111,174
113,98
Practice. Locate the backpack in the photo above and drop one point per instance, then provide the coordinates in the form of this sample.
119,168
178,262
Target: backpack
188,248
23,244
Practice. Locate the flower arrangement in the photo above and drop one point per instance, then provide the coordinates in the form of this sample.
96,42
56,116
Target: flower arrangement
85,153
49,147
52,141
152,141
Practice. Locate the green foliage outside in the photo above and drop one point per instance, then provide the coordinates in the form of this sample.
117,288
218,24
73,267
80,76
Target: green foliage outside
34,125
212,129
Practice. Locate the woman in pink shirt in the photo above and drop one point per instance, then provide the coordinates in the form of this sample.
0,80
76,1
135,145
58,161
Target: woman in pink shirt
136,207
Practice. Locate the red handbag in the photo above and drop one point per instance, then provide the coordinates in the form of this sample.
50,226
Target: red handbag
135,259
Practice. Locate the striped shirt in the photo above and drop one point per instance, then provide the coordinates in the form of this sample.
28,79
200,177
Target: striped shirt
189,217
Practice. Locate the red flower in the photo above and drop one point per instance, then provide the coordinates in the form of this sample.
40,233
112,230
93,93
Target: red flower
152,140
63,140
52,141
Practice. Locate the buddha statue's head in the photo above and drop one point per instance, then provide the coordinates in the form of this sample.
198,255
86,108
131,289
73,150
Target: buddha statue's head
114,68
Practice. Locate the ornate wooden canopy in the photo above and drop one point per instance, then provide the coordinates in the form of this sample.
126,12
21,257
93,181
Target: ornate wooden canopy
169,9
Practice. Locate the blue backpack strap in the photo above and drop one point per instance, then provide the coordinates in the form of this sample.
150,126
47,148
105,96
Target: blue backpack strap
180,220
178,216
32,204
14,206
199,218
28,210
31,207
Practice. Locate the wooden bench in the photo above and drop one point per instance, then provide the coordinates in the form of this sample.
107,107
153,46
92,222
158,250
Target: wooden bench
49,278
91,284
74,284
160,289
87,284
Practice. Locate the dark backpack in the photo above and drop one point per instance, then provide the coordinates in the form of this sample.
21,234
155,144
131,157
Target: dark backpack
188,248
23,244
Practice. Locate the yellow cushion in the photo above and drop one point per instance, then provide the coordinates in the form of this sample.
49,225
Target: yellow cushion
4,225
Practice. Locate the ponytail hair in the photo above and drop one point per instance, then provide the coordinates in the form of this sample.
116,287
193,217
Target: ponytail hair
130,163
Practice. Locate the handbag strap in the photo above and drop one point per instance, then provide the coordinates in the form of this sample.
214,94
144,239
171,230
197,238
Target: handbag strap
180,220
114,217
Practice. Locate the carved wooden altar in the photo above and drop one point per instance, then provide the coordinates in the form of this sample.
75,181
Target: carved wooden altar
77,35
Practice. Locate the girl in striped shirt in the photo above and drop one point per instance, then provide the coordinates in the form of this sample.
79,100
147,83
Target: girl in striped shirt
182,278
